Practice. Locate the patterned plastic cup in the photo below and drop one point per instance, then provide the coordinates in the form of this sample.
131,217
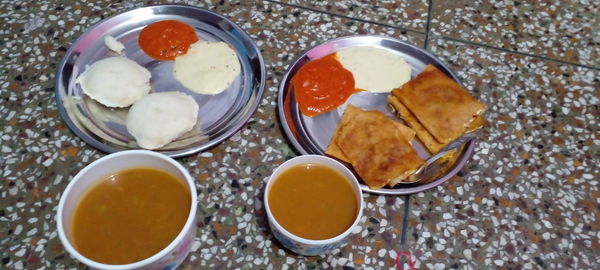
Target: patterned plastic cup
301,245
168,258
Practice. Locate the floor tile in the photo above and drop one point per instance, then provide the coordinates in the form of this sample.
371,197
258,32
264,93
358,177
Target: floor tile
406,14
566,30
529,196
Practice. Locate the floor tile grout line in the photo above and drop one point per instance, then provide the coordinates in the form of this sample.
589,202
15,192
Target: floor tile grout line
428,37
541,57
347,17
404,233
405,222
428,24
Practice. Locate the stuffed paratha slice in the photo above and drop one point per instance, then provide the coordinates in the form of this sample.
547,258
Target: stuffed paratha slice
377,149
440,104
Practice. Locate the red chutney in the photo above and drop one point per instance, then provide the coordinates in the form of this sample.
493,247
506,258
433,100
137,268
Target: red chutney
164,40
322,85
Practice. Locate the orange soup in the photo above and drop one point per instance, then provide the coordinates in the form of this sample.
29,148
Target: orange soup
130,216
313,201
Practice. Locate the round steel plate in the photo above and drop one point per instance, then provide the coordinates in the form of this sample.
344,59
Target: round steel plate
311,135
219,116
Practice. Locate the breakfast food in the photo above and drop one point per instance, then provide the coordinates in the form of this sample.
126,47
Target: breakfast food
115,81
322,85
159,118
302,201
437,108
378,148
374,69
207,67
165,40
113,45
130,216
334,150
424,136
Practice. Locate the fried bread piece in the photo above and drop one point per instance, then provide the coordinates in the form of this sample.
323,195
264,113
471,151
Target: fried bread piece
477,123
424,136
376,147
334,150
401,111
441,105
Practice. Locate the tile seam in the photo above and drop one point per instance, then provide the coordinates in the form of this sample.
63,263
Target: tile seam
347,17
541,57
403,235
428,23
428,37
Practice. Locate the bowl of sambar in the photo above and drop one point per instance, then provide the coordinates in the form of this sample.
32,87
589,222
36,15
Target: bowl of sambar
129,210
312,202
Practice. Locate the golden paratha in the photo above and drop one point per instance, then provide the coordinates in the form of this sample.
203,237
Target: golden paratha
334,150
440,104
377,149
401,111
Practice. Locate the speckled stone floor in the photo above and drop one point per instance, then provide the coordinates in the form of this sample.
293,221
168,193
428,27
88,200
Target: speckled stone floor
528,199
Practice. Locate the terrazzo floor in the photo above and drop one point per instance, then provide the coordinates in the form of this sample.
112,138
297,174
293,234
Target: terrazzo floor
528,199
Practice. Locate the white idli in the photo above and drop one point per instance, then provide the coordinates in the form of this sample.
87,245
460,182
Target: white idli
115,81
159,118
207,67
375,69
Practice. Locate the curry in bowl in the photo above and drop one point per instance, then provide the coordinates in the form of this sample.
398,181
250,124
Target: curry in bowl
130,215
313,201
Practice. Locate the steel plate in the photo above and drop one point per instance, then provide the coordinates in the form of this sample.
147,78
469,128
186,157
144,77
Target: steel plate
311,135
219,116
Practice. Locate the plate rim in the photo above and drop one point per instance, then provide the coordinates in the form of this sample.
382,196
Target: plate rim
105,148
457,166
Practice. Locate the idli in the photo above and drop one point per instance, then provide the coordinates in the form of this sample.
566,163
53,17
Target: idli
115,81
159,118
207,67
375,69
